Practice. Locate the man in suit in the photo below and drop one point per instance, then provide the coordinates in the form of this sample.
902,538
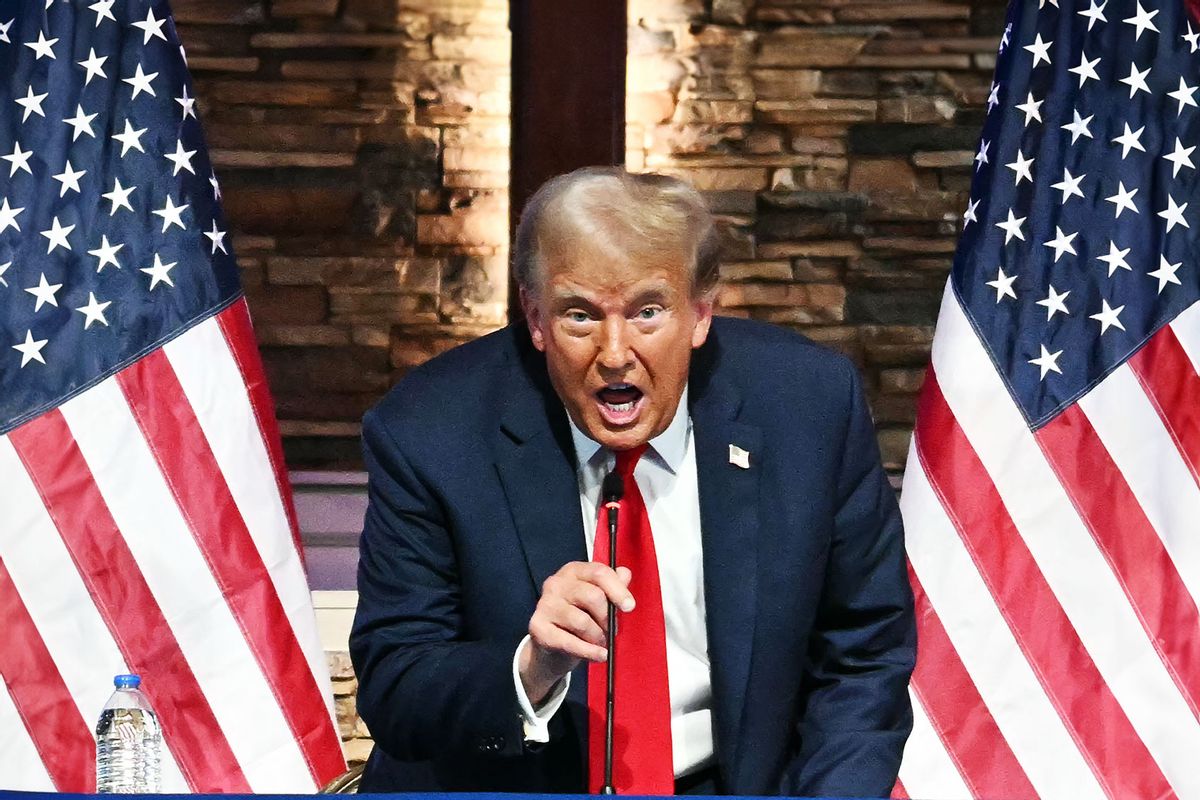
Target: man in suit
766,626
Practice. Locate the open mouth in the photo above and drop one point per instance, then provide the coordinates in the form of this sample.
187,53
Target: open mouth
620,403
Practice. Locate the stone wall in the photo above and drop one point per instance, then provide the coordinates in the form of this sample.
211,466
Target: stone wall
362,148
356,739
835,140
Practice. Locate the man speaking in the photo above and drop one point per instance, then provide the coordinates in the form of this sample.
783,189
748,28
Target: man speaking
766,632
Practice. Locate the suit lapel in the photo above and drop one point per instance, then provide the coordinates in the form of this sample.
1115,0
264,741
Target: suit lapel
729,522
536,463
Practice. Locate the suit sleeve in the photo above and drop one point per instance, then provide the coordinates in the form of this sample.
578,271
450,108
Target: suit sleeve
857,714
424,691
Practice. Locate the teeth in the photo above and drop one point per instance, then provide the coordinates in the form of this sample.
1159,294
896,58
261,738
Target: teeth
620,407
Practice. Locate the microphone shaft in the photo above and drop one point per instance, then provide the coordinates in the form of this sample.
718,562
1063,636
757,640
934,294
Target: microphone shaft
611,664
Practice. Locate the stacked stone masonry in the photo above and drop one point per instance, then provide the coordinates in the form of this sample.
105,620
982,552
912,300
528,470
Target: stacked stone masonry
356,739
363,151
834,139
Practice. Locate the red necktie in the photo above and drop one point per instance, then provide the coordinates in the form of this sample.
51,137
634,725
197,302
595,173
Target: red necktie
642,761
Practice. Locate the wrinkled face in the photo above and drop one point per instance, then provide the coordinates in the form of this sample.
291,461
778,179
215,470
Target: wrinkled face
618,339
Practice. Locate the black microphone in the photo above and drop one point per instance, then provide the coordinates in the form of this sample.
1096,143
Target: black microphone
612,490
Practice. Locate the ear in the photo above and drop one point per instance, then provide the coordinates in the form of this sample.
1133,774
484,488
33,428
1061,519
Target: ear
534,320
703,308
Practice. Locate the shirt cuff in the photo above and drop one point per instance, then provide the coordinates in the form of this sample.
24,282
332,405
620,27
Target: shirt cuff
537,721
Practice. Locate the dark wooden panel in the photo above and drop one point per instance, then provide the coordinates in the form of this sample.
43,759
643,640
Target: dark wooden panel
568,92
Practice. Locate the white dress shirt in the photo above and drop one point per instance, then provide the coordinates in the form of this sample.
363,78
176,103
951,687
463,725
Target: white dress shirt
666,476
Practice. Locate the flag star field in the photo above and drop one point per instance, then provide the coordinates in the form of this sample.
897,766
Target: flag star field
102,160
1087,194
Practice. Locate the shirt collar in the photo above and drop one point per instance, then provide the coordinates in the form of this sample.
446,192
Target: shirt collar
670,445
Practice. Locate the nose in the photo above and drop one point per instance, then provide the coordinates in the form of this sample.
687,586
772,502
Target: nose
615,350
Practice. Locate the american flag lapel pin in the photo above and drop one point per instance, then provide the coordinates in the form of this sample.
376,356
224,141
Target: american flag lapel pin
739,457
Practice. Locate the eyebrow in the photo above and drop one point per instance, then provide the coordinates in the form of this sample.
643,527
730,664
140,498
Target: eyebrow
654,293
560,300
563,298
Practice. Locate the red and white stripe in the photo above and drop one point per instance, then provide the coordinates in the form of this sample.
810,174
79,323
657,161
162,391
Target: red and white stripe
1056,576
148,528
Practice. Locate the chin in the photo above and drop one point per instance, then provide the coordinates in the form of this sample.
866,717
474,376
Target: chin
622,440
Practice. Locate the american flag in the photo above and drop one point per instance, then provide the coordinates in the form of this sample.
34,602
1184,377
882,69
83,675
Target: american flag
145,518
1052,495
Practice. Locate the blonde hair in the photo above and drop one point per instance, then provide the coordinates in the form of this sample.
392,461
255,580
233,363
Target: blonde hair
640,218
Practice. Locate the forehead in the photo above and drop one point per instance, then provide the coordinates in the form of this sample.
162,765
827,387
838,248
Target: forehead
594,276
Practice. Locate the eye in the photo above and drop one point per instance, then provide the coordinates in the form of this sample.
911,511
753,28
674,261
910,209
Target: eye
649,312
577,316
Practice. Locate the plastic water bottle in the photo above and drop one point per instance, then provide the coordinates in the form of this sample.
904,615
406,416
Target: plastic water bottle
128,742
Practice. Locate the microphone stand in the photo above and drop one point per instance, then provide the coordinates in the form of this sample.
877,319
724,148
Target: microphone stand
613,490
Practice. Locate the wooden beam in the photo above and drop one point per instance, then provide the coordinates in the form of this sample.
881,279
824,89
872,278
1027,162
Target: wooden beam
568,93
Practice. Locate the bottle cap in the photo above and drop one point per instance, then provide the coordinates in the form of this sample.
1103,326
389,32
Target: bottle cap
127,681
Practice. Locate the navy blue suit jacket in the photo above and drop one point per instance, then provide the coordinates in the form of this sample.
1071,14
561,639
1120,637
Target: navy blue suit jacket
474,503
